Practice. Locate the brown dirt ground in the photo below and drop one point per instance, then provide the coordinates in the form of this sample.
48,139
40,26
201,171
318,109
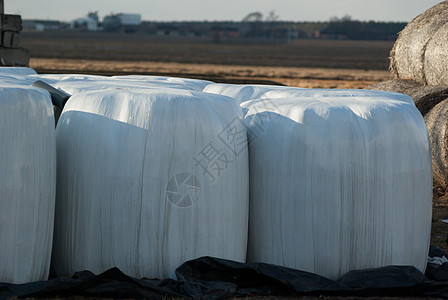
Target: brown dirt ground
439,231
302,53
291,76
305,62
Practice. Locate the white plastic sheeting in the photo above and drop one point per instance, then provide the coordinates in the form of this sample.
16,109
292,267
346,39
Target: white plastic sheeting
16,75
70,77
244,92
77,83
27,183
338,183
188,83
149,179
331,93
22,71
15,80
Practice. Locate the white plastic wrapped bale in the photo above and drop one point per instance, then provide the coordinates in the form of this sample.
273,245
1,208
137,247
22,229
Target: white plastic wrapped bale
149,179
16,75
187,83
27,183
338,183
70,77
76,83
331,93
15,80
22,71
244,92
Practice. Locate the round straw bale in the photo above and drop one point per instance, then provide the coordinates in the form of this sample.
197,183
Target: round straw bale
394,85
436,55
421,50
436,121
425,96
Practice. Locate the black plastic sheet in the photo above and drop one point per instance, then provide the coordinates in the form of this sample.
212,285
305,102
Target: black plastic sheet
213,278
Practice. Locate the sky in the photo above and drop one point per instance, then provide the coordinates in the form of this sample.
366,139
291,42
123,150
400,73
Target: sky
231,10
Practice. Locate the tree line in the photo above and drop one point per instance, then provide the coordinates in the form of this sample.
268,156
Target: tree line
335,28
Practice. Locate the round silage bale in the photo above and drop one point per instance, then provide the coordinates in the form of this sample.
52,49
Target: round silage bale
20,71
27,183
149,179
338,183
244,92
77,83
330,93
187,83
425,96
436,121
421,50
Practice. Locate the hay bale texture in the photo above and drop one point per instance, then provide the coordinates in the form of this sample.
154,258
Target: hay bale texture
425,96
436,121
420,52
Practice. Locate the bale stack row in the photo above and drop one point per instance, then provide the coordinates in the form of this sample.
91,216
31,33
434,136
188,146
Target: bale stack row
419,69
155,171
10,52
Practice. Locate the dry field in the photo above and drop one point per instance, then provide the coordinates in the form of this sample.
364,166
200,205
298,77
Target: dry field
302,63
291,76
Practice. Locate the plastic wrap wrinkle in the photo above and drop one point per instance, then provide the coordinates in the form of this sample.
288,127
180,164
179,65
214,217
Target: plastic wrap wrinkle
244,92
362,95
76,83
12,79
338,183
21,71
192,84
135,191
28,183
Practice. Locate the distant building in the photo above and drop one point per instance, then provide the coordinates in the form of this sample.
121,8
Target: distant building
130,19
89,23
122,23
42,25
94,16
